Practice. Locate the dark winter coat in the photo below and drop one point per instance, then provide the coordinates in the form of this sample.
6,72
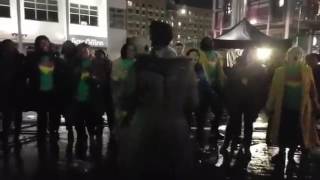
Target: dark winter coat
12,80
95,99
158,90
33,79
247,85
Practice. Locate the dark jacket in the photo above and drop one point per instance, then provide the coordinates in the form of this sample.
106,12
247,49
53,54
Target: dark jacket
95,99
12,80
247,87
33,79
161,89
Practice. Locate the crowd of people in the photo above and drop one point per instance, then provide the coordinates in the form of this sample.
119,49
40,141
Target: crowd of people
152,98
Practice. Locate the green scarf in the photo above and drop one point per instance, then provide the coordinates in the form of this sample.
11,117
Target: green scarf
83,86
46,75
126,64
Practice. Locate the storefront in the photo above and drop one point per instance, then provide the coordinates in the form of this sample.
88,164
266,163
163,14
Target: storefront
76,20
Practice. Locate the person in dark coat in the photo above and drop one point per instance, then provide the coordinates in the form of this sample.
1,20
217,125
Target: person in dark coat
45,74
159,88
11,92
87,105
69,52
101,71
246,93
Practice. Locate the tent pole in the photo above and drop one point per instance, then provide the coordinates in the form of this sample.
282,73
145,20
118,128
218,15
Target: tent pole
288,19
269,20
214,18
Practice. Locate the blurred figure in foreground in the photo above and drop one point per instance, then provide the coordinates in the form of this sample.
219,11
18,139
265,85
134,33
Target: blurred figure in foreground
157,145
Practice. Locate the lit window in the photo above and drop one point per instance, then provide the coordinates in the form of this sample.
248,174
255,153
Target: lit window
183,11
41,10
117,18
179,23
281,3
4,8
130,3
83,14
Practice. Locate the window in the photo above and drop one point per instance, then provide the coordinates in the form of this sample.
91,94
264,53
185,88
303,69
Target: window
130,3
41,10
83,14
117,18
4,8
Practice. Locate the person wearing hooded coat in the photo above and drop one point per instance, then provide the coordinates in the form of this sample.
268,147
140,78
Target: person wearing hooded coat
160,87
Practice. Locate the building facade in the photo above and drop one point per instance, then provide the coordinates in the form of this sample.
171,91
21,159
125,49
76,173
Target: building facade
189,23
295,19
77,20
117,27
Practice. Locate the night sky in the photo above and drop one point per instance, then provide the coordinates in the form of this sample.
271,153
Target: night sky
197,3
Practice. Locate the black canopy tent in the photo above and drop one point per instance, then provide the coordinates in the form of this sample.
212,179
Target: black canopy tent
245,35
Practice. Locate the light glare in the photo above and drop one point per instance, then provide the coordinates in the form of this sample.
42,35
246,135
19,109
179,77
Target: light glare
281,3
263,54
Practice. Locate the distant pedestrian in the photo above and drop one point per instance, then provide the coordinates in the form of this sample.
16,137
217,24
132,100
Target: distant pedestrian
179,49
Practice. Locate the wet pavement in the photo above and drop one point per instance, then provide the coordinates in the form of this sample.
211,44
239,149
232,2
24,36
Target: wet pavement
65,160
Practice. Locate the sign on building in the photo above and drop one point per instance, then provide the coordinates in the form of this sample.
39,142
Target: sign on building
91,41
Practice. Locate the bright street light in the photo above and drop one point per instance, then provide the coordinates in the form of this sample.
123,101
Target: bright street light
183,11
253,21
314,41
263,54
130,3
281,3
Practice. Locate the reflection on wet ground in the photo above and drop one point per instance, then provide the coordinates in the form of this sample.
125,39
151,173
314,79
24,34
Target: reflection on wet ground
68,160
